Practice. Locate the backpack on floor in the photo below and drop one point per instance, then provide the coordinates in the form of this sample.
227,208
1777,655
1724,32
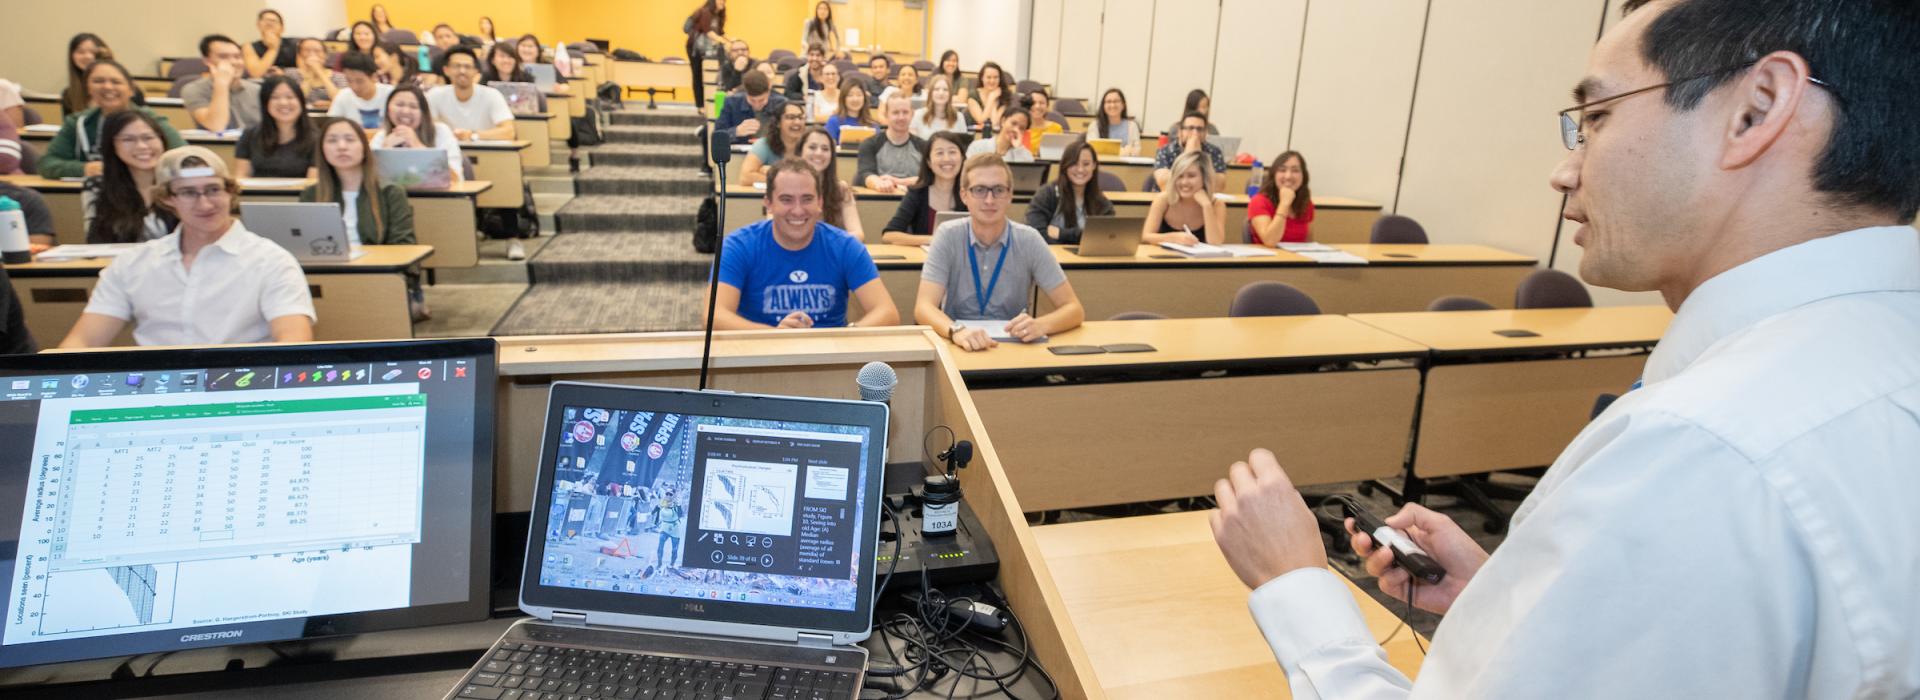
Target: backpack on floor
706,226
521,222
609,94
586,130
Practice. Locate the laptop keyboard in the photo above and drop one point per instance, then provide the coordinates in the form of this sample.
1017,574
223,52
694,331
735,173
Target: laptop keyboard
517,671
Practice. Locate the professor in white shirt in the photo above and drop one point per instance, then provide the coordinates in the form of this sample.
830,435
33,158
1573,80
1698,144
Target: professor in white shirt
210,282
1743,524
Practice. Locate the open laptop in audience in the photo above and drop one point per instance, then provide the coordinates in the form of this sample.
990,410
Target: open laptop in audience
1028,177
414,168
1104,147
522,98
941,218
1053,145
1229,145
313,232
853,135
545,76
728,553
1110,236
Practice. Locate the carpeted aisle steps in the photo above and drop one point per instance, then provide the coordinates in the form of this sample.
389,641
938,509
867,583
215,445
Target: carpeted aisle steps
623,259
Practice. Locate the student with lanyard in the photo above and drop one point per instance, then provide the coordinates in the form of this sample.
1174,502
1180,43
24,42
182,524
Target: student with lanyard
1742,525
984,268
938,191
792,270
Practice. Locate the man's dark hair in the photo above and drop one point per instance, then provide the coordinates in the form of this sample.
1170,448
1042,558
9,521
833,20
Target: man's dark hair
457,50
883,58
756,83
358,62
207,42
1195,114
1864,49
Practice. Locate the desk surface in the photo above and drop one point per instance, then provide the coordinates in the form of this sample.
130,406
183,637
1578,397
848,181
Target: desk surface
1122,577
1474,331
1198,341
1376,256
378,258
467,188
735,189
495,145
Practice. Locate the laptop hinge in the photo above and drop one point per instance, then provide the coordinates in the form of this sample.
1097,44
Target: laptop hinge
571,619
815,639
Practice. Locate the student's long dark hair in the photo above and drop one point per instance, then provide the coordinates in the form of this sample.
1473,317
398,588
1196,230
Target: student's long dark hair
425,129
1301,197
866,103
1089,195
266,137
717,16
374,18
998,72
941,67
327,186
822,32
120,210
1100,113
959,141
409,68
1193,101
776,138
353,47
75,98
832,193
490,74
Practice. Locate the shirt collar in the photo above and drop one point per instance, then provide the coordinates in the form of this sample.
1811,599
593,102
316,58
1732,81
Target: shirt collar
974,236
233,242
1885,258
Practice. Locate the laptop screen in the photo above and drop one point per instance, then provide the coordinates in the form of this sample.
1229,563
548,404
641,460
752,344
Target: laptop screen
762,512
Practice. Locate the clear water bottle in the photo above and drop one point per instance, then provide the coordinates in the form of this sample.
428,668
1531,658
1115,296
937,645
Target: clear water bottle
1255,178
13,233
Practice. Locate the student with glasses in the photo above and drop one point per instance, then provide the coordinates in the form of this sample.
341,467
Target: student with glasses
984,268
75,150
790,122
476,112
209,282
1192,139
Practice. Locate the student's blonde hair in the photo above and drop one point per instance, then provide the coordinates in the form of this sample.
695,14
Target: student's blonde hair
1180,165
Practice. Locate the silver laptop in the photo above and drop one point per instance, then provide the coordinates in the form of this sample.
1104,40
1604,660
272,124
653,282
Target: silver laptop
522,98
414,168
1229,145
544,74
1028,177
314,232
1052,146
1110,236
720,539
940,218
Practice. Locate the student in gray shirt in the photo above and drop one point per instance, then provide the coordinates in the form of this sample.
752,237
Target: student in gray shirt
982,268
222,98
890,160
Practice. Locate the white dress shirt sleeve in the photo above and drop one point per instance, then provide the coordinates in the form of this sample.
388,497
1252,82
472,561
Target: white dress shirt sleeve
285,292
1309,618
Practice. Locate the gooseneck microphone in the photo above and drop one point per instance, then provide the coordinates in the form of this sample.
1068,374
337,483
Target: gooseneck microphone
722,151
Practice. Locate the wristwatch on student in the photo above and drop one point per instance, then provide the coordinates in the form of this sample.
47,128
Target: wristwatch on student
953,334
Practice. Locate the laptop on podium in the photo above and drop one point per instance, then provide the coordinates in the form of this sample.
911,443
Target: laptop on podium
695,544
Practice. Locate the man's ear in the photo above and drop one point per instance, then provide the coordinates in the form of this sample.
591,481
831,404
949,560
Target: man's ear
1765,102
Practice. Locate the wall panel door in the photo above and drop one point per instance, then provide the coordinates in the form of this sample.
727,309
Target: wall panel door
1356,83
1079,49
1184,35
1254,71
1043,60
1124,45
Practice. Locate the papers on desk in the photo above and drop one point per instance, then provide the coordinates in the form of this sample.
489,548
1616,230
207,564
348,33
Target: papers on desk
490,142
41,129
1307,248
996,330
1323,253
79,251
1208,250
204,134
272,181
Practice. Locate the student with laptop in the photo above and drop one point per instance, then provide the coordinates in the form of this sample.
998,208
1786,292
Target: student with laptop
1113,122
545,73
983,269
1039,105
410,124
1186,212
1192,139
365,99
222,98
1283,209
374,212
209,282
792,270
117,206
1060,209
1009,139
938,191
476,112
282,144
504,66
890,161
940,113
852,109
75,150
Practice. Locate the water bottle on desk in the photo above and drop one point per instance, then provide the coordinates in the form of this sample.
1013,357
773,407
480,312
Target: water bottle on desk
1255,178
14,245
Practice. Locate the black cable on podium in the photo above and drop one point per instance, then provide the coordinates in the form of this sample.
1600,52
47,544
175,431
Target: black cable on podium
721,143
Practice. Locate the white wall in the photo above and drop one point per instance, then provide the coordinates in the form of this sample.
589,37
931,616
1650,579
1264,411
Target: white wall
981,30
1254,72
1124,38
1184,37
1356,86
1043,62
140,33
1079,49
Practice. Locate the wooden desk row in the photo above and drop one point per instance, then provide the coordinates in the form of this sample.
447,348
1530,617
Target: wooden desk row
1338,398
1396,278
365,299
442,219
1336,219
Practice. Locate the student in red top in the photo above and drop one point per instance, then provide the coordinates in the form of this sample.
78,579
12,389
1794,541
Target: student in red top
1284,189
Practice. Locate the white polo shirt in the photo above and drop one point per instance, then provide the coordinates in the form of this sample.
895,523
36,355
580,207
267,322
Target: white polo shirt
485,108
236,285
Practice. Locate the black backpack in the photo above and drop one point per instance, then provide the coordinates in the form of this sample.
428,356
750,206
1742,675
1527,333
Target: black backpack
522,222
586,130
706,226
627,55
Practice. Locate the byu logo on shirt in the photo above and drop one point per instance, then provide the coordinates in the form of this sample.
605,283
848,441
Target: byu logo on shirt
798,276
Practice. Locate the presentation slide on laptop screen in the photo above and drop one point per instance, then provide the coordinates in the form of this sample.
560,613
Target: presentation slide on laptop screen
707,507
162,509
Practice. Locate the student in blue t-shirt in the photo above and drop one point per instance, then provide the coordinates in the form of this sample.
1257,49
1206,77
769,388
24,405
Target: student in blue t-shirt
793,270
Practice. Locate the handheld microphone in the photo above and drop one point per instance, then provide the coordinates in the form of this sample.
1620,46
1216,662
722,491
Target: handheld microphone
1406,554
721,142
876,381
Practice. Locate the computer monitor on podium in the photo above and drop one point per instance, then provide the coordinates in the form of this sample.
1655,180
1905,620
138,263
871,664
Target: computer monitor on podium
171,499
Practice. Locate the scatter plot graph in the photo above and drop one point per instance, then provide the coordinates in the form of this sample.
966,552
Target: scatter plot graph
755,497
140,583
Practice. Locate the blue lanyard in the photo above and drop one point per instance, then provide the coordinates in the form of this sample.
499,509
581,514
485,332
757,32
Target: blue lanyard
973,260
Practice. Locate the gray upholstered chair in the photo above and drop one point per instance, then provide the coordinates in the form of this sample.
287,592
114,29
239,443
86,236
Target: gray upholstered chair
1269,298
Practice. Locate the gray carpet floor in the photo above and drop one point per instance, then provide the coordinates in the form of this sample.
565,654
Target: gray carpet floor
623,259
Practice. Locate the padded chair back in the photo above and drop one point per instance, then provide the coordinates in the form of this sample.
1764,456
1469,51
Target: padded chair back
1150,185
30,115
1111,182
778,54
1136,316
29,158
1072,105
1394,228
923,67
180,84
1459,303
1551,289
846,67
400,36
1058,118
788,63
1025,86
1269,298
187,68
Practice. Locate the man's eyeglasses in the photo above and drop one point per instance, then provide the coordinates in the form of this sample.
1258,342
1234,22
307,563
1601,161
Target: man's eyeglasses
989,193
1572,128
212,192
